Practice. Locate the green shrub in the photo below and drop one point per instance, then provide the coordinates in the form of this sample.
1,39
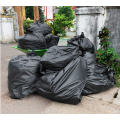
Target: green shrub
69,15
62,20
26,23
106,55
59,24
67,11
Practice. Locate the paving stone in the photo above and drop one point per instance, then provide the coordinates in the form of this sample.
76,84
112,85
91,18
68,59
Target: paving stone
107,95
62,42
87,106
116,101
32,104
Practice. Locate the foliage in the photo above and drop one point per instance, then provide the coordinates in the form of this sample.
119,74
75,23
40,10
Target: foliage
68,11
106,55
62,20
26,23
59,24
30,12
42,17
117,82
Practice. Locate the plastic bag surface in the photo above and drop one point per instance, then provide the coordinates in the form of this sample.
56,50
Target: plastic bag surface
51,40
58,57
65,85
84,43
99,77
32,41
40,27
23,72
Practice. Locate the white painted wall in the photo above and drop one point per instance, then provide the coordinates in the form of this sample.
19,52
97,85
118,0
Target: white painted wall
6,30
49,12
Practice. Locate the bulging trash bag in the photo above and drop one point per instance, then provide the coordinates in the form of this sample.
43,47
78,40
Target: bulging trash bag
23,72
85,43
32,41
99,82
91,62
40,27
65,85
51,40
99,77
57,57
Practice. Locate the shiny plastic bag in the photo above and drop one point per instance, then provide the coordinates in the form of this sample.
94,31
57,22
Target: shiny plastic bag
65,85
32,41
23,72
83,43
58,57
99,77
51,40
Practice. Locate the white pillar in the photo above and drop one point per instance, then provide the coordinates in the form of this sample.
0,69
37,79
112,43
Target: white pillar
90,21
6,30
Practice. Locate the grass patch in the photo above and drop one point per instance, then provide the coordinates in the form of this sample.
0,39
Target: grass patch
64,38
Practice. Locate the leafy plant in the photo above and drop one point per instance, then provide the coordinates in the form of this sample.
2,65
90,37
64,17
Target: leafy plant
59,24
69,14
106,55
67,11
42,17
62,20
26,23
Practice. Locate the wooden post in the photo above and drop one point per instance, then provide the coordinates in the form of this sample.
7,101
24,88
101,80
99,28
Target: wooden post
23,12
18,10
36,13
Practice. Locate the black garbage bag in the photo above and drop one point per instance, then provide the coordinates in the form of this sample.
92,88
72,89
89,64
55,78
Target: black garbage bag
58,57
51,40
91,62
23,72
40,27
99,77
66,85
32,41
84,43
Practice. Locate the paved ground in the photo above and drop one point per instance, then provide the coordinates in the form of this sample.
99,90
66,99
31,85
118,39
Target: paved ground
70,34
103,103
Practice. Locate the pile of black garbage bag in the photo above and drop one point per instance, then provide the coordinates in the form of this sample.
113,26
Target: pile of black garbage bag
38,36
63,74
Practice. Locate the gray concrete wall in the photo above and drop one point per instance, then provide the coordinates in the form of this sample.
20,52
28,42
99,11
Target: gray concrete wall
89,20
112,22
92,19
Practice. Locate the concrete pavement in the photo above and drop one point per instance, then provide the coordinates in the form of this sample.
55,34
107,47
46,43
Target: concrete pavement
36,104
71,34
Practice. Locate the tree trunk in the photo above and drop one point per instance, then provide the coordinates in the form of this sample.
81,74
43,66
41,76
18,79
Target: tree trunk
36,13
